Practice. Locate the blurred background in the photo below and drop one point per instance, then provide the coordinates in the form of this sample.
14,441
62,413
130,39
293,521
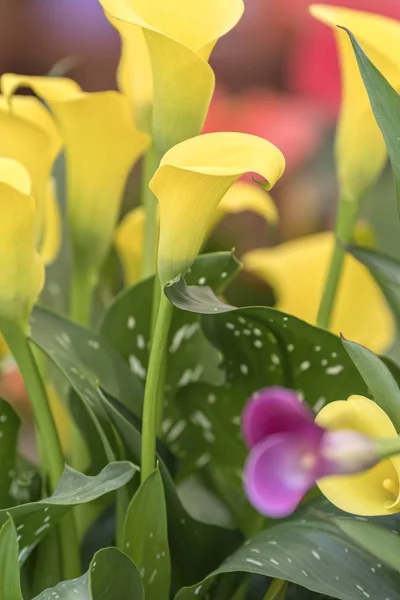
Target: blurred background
277,77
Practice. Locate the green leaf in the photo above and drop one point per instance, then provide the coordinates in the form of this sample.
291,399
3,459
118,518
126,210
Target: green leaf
378,378
89,364
208,544
379,541
9,430
191,357
385,103
10,588
312,553
146,537
34,520
386,272
75,589
113,576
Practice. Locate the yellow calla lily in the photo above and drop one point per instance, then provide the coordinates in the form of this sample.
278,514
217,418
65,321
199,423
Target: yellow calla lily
164,65
101,146
129,238
191,181
374,492
22,271
360,148
297,271
28,135
241,197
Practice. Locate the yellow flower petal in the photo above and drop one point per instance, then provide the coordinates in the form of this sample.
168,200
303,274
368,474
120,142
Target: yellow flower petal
22,271
101,146
360,149
31,144
129,244
245,196
179,37
297,270
51,241
192,179
375,492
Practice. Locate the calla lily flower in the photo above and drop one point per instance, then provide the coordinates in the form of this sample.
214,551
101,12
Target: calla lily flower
29,135
241,197
376,492
360,149
297,270
164,64
22,272
289,451
191,181
101,146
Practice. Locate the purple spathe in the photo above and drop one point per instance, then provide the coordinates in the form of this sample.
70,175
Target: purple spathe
289,451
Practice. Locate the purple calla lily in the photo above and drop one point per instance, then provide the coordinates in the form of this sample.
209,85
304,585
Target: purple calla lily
289,451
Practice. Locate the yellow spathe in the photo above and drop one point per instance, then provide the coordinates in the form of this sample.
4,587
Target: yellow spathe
192,179
297,271
241,197
22,271
164,65
128,240
28,135
360,148
101,145
374,492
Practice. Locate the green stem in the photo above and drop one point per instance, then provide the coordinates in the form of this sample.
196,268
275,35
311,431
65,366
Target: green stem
152,394
81,295
344,229
149,201
48,438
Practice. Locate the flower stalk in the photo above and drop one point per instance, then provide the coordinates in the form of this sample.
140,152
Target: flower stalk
153,396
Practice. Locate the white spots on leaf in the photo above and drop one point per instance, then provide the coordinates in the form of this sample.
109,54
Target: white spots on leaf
274,562
131,322
242,320
200,419
42,529
304,573
320,403
290,347
184,333
258,344
153,576
190,375
247,332
255,550
197,590
3,418
202,281
255,562
93,344
137,367
334,370
224,275
236,420
275,359
140,342
324,362
317,348
230,326
211,398
305,365
315,554
334,354
176,431
257,332
244,369
236,333
203,460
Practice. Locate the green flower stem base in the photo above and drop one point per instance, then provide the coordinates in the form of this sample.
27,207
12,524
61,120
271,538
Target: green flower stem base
47,434
81,295
149,201
344,229
153,396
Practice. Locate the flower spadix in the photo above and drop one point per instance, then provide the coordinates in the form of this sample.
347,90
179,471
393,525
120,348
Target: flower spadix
360,148
242,196
101,145
192,179
297,269
377,491
164,65
29,135
22,271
